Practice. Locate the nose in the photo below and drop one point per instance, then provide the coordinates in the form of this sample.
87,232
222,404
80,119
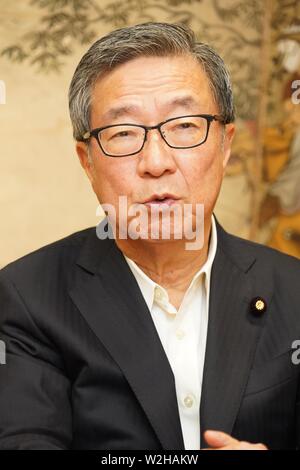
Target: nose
156,158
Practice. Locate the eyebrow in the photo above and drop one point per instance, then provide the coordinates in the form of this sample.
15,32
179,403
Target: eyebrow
183,101
120,111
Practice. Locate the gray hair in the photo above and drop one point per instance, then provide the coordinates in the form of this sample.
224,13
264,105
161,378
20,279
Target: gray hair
146,39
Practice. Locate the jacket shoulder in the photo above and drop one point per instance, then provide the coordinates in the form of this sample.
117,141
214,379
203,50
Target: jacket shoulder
269,256
56,256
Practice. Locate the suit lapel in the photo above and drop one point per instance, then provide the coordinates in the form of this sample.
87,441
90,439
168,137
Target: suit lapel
233,333
107,295
111,302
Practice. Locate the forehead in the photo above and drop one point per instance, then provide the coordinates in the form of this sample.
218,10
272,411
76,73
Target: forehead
151,85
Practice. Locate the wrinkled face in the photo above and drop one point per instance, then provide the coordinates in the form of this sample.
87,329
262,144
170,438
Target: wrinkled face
146,91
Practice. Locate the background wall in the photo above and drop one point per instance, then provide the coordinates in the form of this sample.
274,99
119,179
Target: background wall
44,194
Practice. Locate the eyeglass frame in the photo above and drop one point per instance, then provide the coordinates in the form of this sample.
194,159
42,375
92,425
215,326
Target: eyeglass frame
95,132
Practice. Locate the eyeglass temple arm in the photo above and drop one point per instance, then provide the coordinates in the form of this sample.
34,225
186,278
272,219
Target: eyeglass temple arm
218,117
86,135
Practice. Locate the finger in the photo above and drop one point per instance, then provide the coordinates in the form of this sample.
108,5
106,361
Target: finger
248,446
218,439
243,445
240,445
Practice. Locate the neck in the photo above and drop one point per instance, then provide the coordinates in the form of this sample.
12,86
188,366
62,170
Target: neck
167,262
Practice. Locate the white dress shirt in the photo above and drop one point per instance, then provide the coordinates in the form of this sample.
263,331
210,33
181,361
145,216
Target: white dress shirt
183,335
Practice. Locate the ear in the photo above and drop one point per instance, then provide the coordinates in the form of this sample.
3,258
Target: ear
85,161
229,134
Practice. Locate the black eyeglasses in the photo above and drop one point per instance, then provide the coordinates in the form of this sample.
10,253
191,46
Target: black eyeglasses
183,132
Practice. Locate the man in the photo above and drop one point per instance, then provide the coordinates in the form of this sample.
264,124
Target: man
136,342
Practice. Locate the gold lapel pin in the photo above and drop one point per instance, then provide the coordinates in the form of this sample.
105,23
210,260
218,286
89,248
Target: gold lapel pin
258,305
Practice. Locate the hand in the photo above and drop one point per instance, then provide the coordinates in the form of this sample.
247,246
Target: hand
217,440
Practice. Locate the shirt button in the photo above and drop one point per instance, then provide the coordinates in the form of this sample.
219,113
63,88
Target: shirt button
159,294
188,401
180,334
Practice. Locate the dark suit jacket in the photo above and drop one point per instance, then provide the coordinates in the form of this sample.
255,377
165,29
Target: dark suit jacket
85,368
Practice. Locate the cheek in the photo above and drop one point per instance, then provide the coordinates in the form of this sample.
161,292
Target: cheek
113,178
204,174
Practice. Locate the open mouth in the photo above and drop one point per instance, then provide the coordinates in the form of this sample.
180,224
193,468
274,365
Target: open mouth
166,200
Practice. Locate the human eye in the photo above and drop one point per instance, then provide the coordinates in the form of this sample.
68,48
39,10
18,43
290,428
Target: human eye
184,125
122,134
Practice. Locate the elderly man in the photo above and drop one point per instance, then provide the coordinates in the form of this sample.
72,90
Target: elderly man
133,341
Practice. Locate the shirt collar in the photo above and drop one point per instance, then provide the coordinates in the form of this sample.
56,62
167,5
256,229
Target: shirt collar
147,285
